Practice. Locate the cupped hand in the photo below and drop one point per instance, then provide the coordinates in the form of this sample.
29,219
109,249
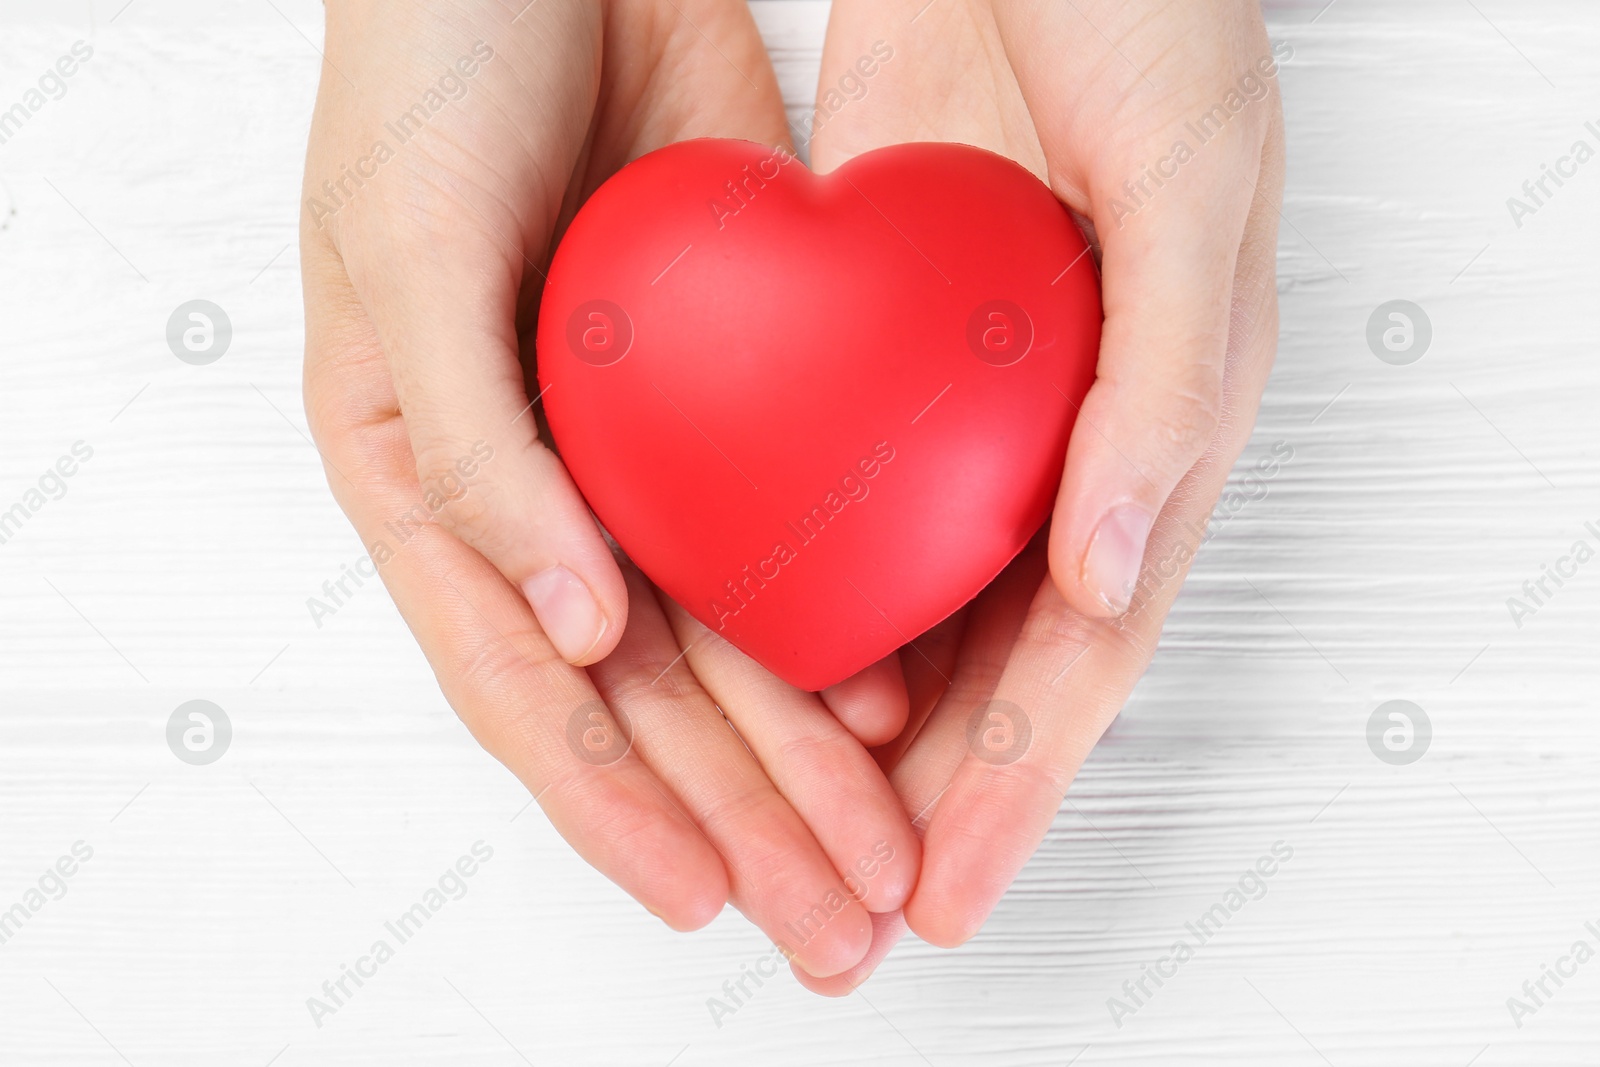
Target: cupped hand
451,142
1159,125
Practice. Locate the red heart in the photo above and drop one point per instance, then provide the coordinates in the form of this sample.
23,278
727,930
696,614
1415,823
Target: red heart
820,412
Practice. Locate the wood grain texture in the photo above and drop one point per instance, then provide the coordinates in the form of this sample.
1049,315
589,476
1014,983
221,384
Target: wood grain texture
1375,565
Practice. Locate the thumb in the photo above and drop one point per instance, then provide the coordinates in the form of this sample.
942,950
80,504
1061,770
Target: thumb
434,247
1171,244
1157,400
441,289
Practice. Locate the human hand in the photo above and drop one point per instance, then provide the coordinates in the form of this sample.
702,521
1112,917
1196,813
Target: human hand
451,142
1090,95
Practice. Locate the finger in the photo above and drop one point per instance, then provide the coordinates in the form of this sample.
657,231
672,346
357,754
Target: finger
952,729
1069,673
872,703
1011,804
927,663
779,876
895,71
493,662
825,774
1157,399
1170,250
887,930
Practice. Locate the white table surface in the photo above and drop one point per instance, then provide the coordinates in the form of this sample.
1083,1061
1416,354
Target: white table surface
1418,499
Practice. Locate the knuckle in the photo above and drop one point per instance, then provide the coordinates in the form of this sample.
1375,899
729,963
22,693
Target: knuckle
1194,414
751,823
1055,634
497,670
811,756
466,505
349,401
371,453
470,516
1034,774
636,828
669,683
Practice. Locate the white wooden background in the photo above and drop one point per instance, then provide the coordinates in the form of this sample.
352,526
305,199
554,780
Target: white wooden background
177,566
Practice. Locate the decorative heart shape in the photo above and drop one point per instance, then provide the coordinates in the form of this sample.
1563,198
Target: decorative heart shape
821,412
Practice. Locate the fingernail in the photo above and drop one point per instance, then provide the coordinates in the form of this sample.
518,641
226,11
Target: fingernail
567,611
1116,551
